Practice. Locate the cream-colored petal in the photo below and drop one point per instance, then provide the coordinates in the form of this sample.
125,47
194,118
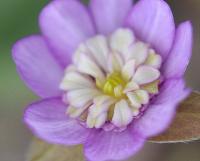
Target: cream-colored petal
143,96
82,49
151,87
128,70
131,86
138,52
115,62
122,114
78,98
101,105
96,122
134,100
90,121
153,59
88,66
76,80
121,39
138,98
75,112
98,48
100,120
146,74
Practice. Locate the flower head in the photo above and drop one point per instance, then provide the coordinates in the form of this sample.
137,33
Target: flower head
110,76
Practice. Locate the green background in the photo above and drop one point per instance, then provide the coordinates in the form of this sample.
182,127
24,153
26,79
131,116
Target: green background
18,18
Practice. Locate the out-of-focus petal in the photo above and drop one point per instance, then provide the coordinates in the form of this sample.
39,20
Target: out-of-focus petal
159,115
37,67
179,57
109,14
48,120
103,146
66,23
152,21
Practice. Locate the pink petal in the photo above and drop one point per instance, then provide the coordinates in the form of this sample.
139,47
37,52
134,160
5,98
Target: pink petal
153,22
161,112
66,23
109,14
37,67
178,60
103,146
48,120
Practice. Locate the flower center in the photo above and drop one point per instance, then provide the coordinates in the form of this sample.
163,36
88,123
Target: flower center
111,80
113,85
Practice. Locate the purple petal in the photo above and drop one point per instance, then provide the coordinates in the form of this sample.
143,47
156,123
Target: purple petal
103,146
172,91
180,55
37,67
109,14
159,115
153,22
48,120
66,23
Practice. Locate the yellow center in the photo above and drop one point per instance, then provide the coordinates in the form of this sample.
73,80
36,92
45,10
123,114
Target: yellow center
113,85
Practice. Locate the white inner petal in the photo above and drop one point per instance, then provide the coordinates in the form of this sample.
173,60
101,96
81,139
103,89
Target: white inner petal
99,50
138,52
128,70
101,105
115,62
88,66
131,86
122,114
146,74
153,59
138,98
75,80
121,40
78,98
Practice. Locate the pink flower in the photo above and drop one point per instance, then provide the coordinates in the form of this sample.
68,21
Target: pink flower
110,75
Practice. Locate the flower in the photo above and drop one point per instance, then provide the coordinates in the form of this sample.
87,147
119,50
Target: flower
110,75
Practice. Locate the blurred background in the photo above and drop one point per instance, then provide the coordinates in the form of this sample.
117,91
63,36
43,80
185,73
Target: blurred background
18,18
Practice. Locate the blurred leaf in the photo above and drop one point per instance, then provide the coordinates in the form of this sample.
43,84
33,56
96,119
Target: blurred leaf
41,151
186,126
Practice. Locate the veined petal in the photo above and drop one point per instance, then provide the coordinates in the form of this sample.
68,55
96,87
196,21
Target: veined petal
181,52
74,112
80,97
146,74
98,48
109,15
48,120
115,62
96,122
122,114
131,86
75,80
152,21
138,52
37,67
121,40
101,105
103,146
88,66
66,23
138,98
128,70
153,59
